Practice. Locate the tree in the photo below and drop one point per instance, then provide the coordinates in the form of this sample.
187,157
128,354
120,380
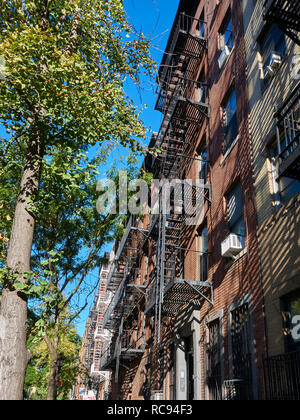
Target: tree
68,240
39,368
66,63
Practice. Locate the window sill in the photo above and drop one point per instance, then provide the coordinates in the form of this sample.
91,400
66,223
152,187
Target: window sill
227,153
227,60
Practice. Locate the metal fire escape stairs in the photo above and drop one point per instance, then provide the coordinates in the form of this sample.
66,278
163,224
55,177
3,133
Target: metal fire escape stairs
168,292
126,293
286,14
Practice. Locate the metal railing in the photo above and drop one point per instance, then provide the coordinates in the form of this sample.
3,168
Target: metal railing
282,377
286,14
290,148
186,26
151,293
185,88
107,354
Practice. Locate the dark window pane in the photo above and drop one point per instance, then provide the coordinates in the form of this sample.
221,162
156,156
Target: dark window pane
230,121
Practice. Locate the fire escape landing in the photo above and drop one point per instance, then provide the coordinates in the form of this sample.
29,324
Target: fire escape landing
286,14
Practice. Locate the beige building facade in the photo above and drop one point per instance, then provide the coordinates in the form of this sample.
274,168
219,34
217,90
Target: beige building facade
272,53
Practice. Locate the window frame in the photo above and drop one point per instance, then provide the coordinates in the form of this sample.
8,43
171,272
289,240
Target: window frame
281,195
233,124
262,41
227,23
232,228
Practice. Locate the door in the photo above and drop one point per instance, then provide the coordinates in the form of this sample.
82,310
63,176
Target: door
241,353
214,381
189,347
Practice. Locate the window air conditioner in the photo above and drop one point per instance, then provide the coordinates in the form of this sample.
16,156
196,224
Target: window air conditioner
224,55
231,246
273,65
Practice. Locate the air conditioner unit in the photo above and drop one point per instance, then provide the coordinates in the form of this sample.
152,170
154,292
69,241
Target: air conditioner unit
224,56
157,396
231,246
273,65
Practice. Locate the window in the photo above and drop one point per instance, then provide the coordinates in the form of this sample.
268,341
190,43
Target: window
225,34
201,89
202,163
203,254
291,310
201,26
288,131
230,123
284,188
272,47
214,361
234,210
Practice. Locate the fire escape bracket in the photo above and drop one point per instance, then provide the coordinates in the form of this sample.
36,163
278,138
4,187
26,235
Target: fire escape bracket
138,288
200,293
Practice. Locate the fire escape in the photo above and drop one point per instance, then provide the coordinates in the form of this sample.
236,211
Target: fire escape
286,14
96,335
184,104
89,342
288,136
125,281
101,335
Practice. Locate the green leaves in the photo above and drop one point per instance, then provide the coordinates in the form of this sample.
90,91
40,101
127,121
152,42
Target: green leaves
32,288
67,71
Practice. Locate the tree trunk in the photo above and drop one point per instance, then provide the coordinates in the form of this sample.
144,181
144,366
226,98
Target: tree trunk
52,383
13,310
53,348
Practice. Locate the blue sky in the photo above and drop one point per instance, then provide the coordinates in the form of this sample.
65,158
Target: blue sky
154,18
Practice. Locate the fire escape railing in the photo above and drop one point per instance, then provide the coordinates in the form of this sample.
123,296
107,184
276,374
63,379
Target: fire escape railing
286,14
107,355
127,260
130,289
187,43
288,136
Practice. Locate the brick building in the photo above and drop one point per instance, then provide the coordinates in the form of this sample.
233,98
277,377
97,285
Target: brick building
193,291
